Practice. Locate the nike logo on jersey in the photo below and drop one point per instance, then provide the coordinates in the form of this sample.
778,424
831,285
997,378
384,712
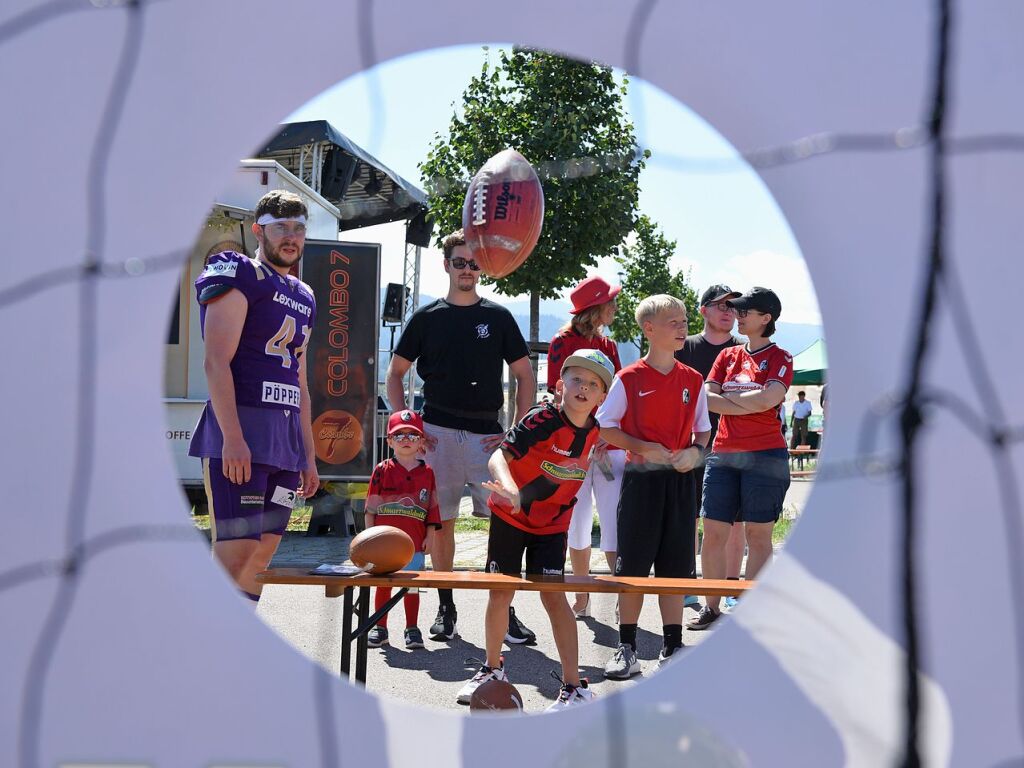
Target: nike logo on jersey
645,394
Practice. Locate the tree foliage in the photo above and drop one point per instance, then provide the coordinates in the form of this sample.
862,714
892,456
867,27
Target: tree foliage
567,118
645,272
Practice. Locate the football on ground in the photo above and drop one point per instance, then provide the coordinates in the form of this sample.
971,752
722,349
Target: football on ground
503,213
495,695
382,549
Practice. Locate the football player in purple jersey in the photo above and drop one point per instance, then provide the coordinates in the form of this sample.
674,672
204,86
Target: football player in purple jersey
255,435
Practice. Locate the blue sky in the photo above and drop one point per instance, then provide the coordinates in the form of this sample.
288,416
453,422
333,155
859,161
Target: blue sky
727,226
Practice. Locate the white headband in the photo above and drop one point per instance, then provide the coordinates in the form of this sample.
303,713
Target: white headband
267,218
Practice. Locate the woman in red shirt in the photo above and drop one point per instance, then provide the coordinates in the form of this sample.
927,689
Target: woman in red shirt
593,307
746,476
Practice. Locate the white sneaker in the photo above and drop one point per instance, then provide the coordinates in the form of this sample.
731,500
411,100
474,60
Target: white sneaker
481,677
623,665
571,695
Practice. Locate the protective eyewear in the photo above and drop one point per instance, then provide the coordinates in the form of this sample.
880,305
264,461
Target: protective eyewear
277,230
405,438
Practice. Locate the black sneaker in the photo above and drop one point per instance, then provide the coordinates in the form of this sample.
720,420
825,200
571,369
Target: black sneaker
707,617
413,637
669,654
518,633
443,627
377,636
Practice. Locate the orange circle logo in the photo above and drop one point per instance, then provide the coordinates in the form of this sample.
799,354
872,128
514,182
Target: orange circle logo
338,437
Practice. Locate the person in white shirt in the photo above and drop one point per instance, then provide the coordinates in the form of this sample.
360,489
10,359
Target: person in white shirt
800,419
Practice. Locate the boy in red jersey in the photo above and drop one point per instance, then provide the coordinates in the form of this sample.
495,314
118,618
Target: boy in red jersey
747,473
402,493
538,470
657,411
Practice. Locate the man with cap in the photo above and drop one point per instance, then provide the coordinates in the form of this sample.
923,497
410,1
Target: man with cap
700,352
747,473
802,410
537,471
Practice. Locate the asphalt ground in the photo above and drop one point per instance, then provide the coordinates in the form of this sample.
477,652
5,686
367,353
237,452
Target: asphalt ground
432,676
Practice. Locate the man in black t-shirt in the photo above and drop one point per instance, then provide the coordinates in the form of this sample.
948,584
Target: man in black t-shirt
459,344
700,353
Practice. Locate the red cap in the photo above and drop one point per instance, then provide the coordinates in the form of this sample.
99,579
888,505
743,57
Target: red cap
592,292
405,420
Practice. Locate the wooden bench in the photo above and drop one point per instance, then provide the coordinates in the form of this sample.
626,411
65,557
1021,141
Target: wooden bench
800,453
344,587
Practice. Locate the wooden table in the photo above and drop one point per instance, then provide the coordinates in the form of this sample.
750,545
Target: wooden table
799,454
344,587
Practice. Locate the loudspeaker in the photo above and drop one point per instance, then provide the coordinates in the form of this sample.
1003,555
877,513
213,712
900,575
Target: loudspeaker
418,230
336,174
394,304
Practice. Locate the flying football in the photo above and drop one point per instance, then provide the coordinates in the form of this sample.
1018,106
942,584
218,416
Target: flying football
503,213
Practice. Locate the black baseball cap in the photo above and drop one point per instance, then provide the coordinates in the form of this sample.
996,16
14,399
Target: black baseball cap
760,300
718,292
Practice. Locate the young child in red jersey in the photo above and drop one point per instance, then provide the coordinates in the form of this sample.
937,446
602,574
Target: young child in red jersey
656,410
402,494
538,470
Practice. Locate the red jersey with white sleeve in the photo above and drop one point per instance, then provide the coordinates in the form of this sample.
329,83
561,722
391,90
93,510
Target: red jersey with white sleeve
549,459
739,370
404,498
567,342
663,408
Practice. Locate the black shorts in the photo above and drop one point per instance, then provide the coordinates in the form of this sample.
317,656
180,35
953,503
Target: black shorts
656,523
545,552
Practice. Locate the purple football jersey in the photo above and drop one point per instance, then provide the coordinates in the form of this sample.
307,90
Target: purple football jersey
265,367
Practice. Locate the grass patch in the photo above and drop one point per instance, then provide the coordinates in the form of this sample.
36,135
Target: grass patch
467,524
299,521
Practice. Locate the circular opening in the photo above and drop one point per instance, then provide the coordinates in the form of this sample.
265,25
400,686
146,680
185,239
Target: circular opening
355,154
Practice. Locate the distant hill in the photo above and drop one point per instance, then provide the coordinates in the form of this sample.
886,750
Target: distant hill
793,337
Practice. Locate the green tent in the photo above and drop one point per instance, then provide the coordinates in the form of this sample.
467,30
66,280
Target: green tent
811,366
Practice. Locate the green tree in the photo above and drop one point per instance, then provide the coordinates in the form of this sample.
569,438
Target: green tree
567,118
645,272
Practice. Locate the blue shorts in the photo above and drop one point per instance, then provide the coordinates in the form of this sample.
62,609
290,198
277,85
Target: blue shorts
745,487
248,511
416,564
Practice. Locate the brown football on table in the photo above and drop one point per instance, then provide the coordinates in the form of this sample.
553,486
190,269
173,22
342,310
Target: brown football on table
495,695
503,213
382,548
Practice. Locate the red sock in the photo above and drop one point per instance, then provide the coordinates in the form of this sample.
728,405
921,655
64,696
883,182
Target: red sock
380,596
412,607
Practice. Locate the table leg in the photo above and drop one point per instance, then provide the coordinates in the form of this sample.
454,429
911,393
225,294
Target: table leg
367,625
362,641
346,631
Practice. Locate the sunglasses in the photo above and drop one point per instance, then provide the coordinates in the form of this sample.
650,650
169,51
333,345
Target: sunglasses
405,438
721,306
460,263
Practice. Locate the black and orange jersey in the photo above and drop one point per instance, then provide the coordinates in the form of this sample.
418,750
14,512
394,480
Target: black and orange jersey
404,498
548,457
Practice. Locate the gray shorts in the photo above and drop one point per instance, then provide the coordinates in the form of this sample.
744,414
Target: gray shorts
458,460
